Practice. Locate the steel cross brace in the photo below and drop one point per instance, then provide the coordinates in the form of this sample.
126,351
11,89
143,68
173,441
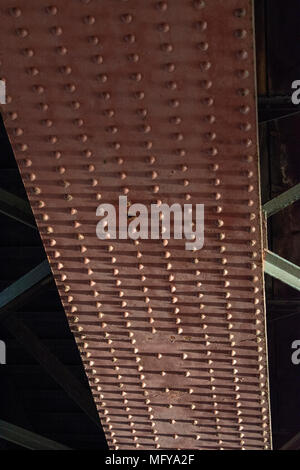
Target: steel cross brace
41,274
16,208
274,265
282,269
282,201
27,439
11,296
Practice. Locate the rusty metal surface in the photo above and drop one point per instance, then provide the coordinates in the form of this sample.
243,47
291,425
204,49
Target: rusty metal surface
155,100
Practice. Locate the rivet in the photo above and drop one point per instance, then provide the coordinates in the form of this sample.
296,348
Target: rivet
38,89
163,27
94,40
247,142
240,33
47,122
242,54
151,160
102,77
204,66
169,67
70,87
22,32
162,6
126,18
245,126
175,120
112,129
23,147
51,10
213,151
65,69
105,95
205,84
133,57
243,74
137,77
240,12
28,52
211,136
145,128
83,138
167,47
199,4
109,113
201,25
210,118
97,59
44,106
203,45
130,38
16,12
89,19
172,85
174,103
26,162
62,50
140,95
18,131
178,136
87,153
244,109
33,71
56,30
61,170
78,122
75,104
243,92
208,101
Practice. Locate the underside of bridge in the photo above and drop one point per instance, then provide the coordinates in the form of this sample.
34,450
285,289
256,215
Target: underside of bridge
140,343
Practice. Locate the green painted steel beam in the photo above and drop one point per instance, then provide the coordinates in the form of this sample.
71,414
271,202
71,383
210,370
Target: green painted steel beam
292,444
282,269
15,293
27,439
16,208
78,391
27,282
282,201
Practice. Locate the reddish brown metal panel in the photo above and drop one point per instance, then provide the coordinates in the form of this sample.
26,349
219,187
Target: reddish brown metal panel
155,100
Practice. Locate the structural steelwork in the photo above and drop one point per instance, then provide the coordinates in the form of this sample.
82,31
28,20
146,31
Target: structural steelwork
154,100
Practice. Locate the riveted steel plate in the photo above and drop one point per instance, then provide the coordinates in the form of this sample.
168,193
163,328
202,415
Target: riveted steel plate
154,100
